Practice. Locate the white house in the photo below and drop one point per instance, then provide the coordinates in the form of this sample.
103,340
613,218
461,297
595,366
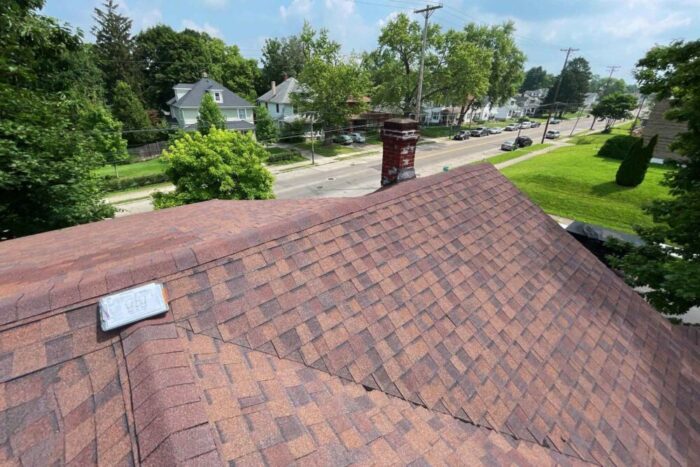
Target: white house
184,107
278,100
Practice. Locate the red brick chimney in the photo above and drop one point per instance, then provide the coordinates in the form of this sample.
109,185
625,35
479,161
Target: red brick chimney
399,137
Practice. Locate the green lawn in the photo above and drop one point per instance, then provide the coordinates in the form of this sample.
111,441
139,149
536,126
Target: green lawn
574,182
506,156
136,169
327,151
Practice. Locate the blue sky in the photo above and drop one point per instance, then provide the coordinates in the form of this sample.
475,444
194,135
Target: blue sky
607,32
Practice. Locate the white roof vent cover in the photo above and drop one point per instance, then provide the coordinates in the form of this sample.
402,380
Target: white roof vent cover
132,305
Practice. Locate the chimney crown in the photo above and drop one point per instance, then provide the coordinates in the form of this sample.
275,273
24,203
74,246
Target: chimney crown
399,138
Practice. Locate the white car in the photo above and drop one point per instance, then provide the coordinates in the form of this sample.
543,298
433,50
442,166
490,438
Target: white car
495,131
357,138
511,127
552,134
525,125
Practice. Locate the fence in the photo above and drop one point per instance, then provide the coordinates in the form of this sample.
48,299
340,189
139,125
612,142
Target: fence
147,151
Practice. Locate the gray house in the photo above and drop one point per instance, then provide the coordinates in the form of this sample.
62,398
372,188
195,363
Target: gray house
278,100
184,107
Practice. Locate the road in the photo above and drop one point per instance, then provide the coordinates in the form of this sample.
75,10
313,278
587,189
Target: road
345,177
356,177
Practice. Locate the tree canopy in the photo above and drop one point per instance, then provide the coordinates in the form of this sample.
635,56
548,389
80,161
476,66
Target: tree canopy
536,78
220,165
210,115
669,262
113,45
266,130
575,80
53,134
613,107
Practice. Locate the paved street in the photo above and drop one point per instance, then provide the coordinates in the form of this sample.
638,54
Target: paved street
359,175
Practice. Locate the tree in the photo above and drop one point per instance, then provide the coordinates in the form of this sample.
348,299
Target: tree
127,108
113,45
506,72
106,134
394,65
575,80
280,58
669,261
266,129
49,147
220,165
166,57
467,68
536,78
604,85
614,107
634,167
210,115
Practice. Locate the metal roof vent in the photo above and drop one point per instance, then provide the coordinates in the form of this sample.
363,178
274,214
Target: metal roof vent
132,305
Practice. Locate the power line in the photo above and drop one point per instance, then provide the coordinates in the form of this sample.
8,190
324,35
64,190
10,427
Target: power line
556,90
427,11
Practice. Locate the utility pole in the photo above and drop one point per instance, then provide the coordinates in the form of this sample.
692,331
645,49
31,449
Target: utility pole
612,69
427,11
556,90
634,123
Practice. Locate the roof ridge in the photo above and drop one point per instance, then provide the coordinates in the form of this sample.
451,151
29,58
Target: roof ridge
422,404
148,267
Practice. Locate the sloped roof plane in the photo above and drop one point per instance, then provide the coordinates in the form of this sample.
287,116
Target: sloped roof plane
444,320
193,97
283,92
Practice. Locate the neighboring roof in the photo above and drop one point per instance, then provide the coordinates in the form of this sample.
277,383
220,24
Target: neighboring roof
184,85
194,96
282,93
241,125
442,320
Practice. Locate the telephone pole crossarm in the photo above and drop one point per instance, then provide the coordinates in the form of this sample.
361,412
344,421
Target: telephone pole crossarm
427,11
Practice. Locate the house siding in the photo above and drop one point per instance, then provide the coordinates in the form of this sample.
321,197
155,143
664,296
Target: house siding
666,129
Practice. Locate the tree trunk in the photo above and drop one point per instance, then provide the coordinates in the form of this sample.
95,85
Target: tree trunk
463,111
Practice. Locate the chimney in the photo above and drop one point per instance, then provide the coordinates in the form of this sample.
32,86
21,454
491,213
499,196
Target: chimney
274,88
399,138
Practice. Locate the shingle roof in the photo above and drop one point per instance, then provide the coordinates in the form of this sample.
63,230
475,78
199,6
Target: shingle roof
193,97
241,125
282,94
443,320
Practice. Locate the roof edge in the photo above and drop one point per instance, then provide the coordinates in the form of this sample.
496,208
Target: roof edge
55,295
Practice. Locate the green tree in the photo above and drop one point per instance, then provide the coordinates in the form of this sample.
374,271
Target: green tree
281,57
48,147
210,115
220,165
506,73
166,57
394,65
575,80
634,167
536,78
106,132
128,109
614,107
266,129
113,45
669,262
604,85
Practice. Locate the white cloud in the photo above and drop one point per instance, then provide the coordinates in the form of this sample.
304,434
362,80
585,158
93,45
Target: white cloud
206,27
215,3
151,18
297,8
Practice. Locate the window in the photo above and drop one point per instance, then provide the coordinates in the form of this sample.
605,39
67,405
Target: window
241,114
217,97
278,108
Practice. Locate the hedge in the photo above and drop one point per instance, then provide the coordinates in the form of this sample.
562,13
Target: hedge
291,155
617,147
112,183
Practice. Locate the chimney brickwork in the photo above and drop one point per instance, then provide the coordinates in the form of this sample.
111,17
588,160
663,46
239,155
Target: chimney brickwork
399,138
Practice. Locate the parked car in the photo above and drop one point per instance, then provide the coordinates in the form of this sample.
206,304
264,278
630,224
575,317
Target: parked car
511,127
357,138
509,145
342,139
554,121
480,131
495,131
535,124
552,134
523,141
525,125
461,136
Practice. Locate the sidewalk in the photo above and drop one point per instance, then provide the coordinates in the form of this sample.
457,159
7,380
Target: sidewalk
517,160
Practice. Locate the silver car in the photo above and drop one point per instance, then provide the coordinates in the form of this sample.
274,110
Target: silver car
495,131
509,146
552,134
357,138
511,127
525,125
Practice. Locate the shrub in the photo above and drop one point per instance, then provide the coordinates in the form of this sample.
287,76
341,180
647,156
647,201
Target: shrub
285,157
634,168
112,183
293,132
618,147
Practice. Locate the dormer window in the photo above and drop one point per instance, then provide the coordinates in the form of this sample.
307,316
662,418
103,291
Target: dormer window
218,97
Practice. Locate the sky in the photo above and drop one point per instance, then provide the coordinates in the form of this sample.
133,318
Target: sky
607,32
